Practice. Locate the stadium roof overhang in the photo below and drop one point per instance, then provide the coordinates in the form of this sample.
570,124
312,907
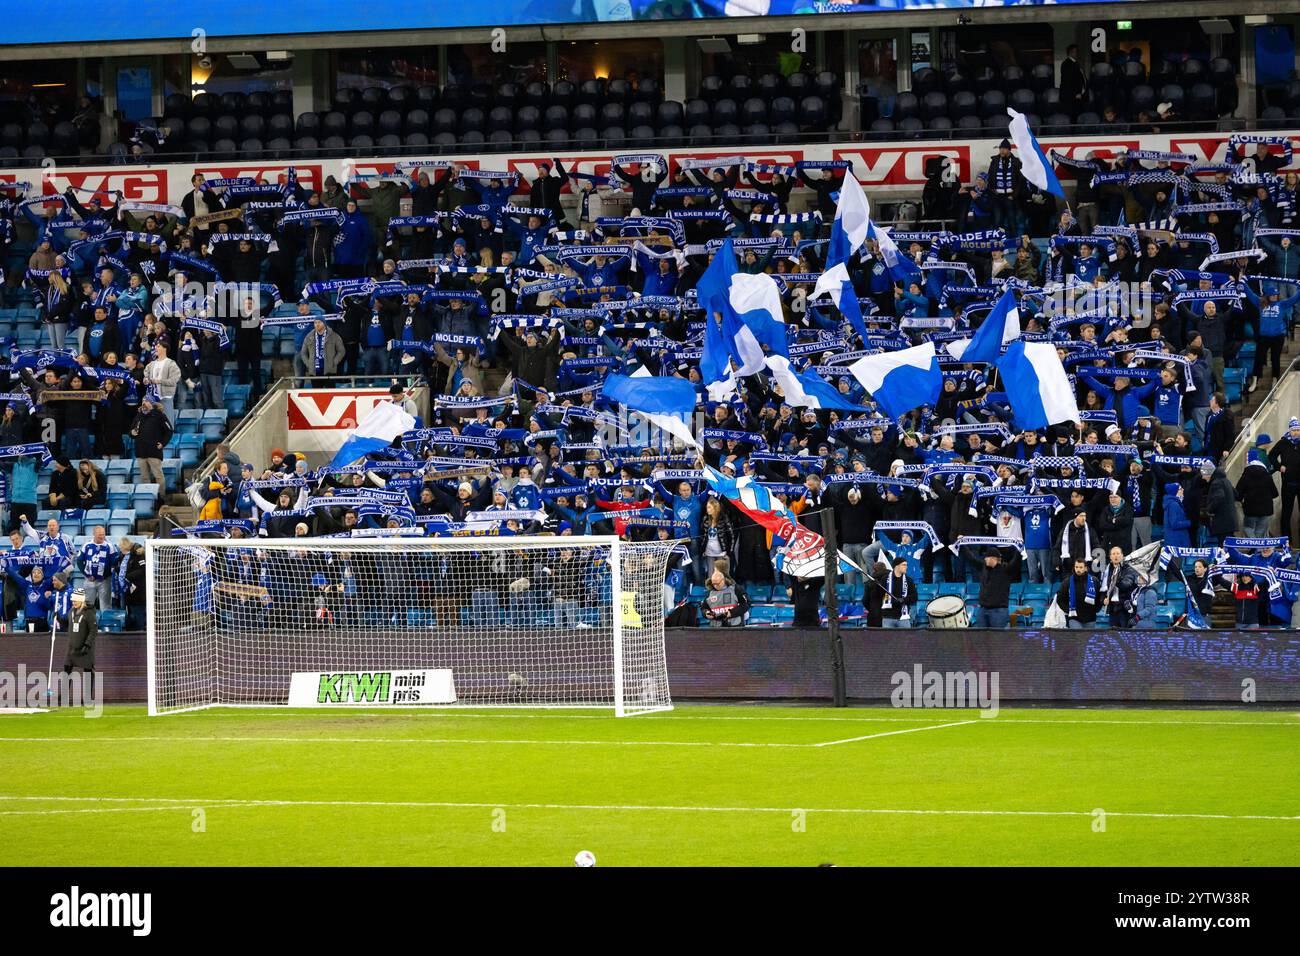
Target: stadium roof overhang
885,20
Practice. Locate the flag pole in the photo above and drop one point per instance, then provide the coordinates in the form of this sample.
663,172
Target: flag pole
831,572
49,670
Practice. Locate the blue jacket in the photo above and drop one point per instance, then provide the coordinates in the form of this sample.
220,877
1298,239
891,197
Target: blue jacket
36,606
1130,398
1167,402
1284,262
352,241
1273,316
22,481
1177,525
1203,379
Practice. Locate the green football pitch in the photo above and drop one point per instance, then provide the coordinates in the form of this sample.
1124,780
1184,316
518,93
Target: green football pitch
732,785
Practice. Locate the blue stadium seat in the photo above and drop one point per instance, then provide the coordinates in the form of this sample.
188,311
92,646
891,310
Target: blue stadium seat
189,420
96,516
121,522
145,499
1037,592
237,398
214,423
1233,378
121,495
191,449
173,470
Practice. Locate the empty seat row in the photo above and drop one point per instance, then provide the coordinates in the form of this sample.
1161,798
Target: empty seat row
769,86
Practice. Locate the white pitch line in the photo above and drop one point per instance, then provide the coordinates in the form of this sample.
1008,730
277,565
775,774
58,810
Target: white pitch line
453,715
238,804
401,740
891,733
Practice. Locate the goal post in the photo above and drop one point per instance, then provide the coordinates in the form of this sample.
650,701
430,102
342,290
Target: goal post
553,622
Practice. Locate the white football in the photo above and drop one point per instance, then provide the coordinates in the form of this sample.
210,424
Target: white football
584,858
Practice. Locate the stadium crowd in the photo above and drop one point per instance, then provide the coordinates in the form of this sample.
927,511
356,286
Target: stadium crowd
1151,285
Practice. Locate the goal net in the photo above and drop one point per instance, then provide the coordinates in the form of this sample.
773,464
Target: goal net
469,622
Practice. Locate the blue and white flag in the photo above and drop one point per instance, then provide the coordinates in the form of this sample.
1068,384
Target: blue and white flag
650,393
900,267
675,407
1000,326
750,313
1034,166
1036,385
848,233
808,389
802,552
901,381
386,421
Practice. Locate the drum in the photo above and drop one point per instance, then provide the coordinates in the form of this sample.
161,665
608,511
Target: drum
947,611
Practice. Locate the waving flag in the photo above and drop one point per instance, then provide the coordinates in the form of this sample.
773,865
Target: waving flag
808,389
899,266
650,393
804,553
848,232
1036,385
901,381
1000,326
751,318
667,402
386,421
1034,166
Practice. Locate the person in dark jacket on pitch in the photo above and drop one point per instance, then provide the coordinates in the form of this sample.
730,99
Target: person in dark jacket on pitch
1079,596
82,631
